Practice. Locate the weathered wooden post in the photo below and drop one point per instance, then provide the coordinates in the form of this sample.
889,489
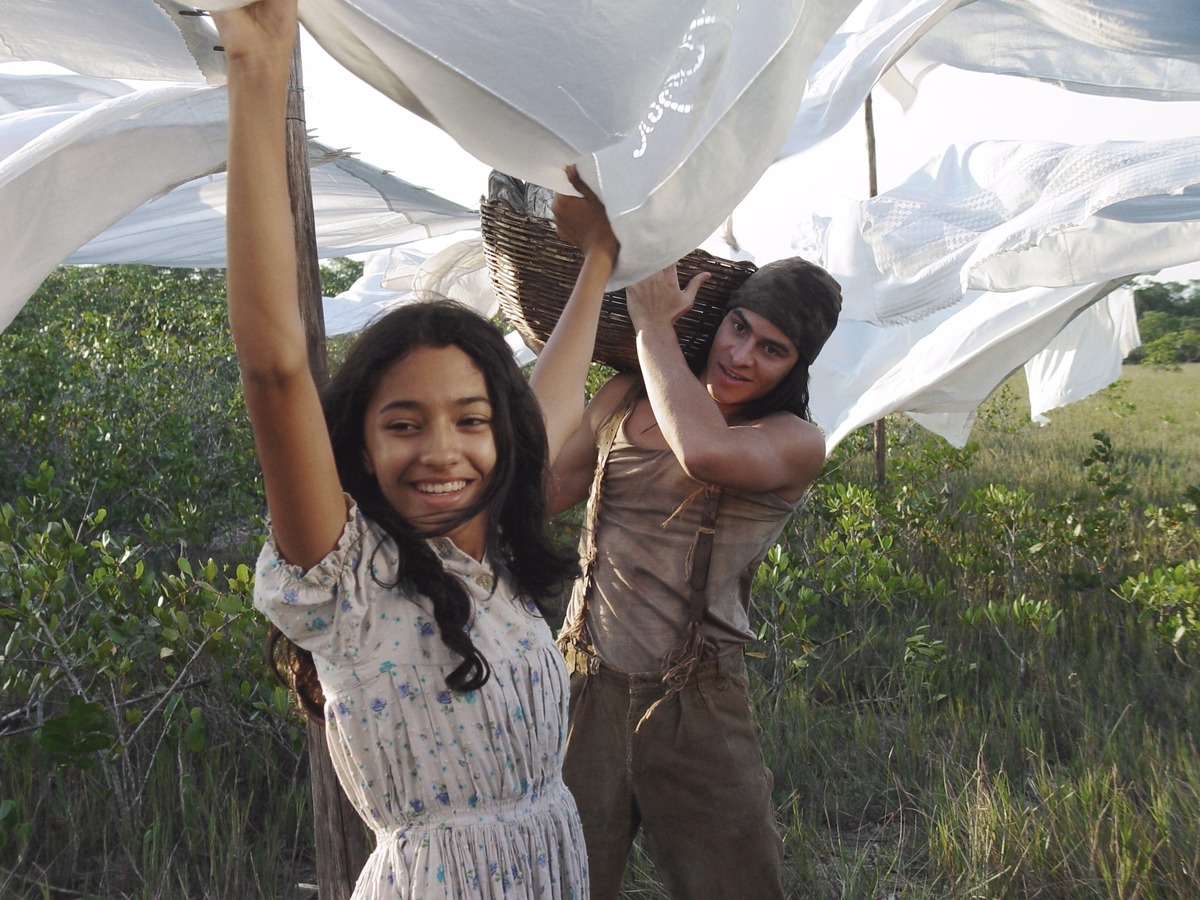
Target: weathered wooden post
340,833
873,182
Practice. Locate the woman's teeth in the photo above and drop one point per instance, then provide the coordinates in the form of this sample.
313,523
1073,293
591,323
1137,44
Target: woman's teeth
445,488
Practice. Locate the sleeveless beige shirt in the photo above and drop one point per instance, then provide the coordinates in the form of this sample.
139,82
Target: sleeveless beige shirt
635,602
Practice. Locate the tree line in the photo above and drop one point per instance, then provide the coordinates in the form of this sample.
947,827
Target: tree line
1168,317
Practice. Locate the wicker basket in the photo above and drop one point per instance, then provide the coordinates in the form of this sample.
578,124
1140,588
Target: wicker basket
533,271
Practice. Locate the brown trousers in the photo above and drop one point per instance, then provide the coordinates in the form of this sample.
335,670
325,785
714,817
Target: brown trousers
686,768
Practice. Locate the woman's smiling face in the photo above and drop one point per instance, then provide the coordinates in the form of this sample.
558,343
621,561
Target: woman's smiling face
429,442
749,356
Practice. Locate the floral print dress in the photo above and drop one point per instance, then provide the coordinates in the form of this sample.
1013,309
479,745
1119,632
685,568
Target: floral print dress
464,791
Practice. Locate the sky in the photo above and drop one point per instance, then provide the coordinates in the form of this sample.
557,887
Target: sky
953,106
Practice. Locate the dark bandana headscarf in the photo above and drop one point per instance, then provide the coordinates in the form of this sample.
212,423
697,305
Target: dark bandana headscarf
798,297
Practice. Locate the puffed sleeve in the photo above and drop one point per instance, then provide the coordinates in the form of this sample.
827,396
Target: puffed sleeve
325,609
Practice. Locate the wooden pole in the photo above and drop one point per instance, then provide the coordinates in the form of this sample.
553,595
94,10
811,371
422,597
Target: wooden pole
300,186
340,834
873,182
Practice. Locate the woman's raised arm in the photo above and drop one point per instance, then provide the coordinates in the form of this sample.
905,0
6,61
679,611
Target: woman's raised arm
303,492
560,374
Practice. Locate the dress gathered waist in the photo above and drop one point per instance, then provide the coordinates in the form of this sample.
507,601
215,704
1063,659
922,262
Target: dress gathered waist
499,812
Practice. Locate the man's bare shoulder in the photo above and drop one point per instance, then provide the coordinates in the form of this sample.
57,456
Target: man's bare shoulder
607,398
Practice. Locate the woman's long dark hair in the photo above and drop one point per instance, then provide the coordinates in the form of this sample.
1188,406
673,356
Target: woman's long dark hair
518,525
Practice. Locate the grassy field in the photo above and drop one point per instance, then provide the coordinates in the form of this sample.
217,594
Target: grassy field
1152,416
986,715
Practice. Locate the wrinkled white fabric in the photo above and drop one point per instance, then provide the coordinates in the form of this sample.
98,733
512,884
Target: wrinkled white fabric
364,300
357,208
76,168
939,369
457,271
404,275
76,185
156,40
671,111
526,86
859,54
985,259
1084,357
1005,215
706,140
1148,49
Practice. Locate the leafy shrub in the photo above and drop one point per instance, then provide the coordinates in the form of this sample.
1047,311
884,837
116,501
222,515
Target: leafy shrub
1169,599
123,379
1172,349
125,660
111,664
1168,323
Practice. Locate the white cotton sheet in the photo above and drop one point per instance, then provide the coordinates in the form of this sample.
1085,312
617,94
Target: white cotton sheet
357,208
105,173
77,168
155,40
671,111
406,275
1085,357
1148,49
1006,215
940,369
856,57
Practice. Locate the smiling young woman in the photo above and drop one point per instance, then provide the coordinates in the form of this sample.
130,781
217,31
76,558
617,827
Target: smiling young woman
409,565
429,443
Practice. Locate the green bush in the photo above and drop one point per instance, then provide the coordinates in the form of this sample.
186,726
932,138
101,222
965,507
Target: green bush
130,667
1168,323
124,380
114,663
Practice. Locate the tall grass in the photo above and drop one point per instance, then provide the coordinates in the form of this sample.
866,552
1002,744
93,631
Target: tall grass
1151,414
233,821
969,703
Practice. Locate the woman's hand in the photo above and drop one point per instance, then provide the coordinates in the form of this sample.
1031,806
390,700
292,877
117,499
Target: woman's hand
658,299
583,221
260,31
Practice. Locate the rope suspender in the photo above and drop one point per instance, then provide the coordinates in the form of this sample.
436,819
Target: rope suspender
605,439
692,647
